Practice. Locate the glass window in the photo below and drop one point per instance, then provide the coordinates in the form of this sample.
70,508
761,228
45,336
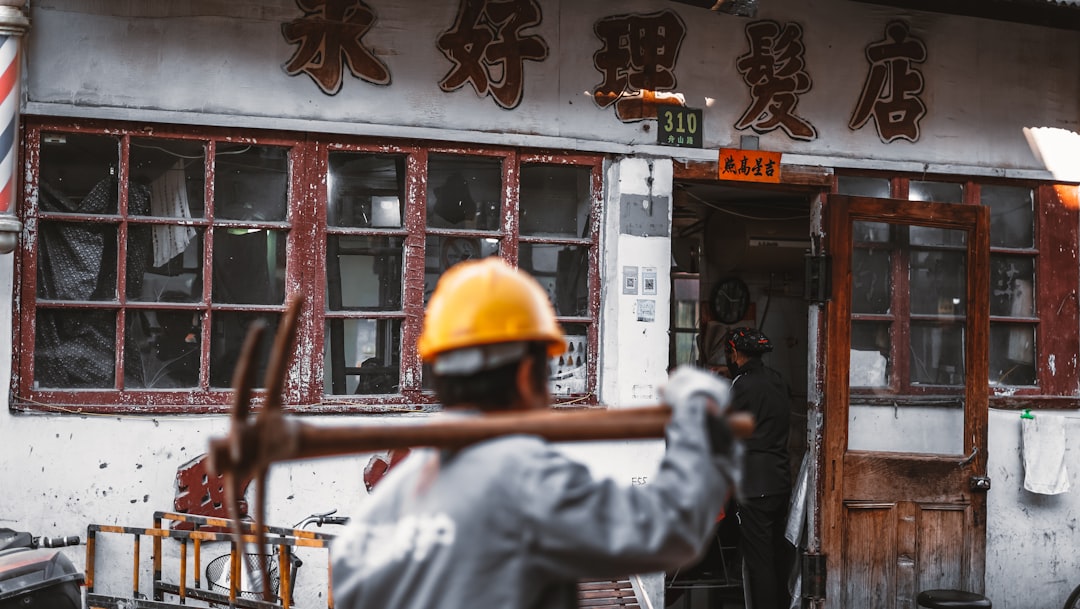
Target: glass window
156,254
1013,306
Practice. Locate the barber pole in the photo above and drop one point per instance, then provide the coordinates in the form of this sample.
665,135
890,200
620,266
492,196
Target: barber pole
13,24
9,118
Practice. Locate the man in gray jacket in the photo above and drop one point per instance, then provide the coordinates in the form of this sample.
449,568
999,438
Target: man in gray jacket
512,523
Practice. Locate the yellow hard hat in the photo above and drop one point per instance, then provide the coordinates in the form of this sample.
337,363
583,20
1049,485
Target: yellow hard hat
485,302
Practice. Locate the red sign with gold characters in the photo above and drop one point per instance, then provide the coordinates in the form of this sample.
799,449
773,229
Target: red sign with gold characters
749,165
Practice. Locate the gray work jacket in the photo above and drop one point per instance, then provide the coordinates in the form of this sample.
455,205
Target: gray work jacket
513,524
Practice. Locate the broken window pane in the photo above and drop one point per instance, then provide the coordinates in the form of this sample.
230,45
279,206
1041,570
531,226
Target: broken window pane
364,273
165,346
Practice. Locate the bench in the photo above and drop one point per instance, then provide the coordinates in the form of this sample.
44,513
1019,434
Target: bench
607,594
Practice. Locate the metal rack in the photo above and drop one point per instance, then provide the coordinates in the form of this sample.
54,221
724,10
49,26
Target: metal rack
174,583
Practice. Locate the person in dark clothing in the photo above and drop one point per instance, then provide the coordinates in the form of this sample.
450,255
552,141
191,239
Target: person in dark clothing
766,488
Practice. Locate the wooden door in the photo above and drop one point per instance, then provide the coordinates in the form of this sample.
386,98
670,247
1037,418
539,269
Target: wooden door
903,498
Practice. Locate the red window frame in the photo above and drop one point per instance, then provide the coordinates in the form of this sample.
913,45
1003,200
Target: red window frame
305,273
1055,214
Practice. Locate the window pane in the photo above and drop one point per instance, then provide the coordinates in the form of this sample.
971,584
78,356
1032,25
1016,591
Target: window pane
686,348
871,286
75,349
364,273
568,371
76,261
1012,354
1012,215
938,283
563,270
249,266
366,190
172,174
464,192
870,352
1012,286
161,349
939,192
228,330
176,279
857,186
444,252
871,232
555,200
78,173
937,354
362,356
251,182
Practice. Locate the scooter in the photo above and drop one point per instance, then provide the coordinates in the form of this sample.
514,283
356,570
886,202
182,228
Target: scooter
35,575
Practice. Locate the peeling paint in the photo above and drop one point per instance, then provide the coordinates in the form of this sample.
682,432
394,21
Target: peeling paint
1052,363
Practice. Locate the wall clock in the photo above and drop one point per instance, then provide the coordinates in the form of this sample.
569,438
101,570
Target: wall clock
730,300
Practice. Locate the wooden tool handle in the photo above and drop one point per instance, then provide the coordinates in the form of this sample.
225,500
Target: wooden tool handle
553,426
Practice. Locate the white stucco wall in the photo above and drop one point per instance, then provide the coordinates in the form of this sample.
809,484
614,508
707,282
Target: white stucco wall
1031,557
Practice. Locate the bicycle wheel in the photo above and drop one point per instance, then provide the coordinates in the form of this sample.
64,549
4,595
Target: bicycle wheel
1074,599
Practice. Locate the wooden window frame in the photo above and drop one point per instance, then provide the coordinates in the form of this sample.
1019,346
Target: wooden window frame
306,224
1056,257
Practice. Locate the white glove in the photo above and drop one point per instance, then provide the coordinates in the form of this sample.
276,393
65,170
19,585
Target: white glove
687,382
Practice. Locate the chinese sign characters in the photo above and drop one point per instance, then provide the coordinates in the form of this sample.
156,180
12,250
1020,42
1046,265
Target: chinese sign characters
891,93
638,63
488,48
775,72
489,41
329,36
749,165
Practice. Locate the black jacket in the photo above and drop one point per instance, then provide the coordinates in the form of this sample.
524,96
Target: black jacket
762,392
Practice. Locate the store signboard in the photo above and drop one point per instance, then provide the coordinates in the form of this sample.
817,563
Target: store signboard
749,165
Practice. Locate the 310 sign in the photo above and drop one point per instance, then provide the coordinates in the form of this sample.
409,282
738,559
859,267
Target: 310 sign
679,126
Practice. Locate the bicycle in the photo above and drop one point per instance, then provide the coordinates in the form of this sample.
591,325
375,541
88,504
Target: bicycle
219,569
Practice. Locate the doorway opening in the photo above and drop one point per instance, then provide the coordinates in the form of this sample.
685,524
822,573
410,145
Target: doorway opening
738,259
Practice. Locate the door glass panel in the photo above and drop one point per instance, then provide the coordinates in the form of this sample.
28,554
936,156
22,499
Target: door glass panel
871,350
937,282
870,282
909,311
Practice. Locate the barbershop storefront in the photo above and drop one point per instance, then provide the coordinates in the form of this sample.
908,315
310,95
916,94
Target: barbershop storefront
853,179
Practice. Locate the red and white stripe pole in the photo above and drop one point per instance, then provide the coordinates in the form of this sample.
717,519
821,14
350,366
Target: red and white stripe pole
13,24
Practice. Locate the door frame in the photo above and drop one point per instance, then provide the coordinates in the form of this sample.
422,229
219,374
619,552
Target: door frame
832,362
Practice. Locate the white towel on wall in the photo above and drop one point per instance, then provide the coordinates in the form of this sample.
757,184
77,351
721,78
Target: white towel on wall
1043,445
